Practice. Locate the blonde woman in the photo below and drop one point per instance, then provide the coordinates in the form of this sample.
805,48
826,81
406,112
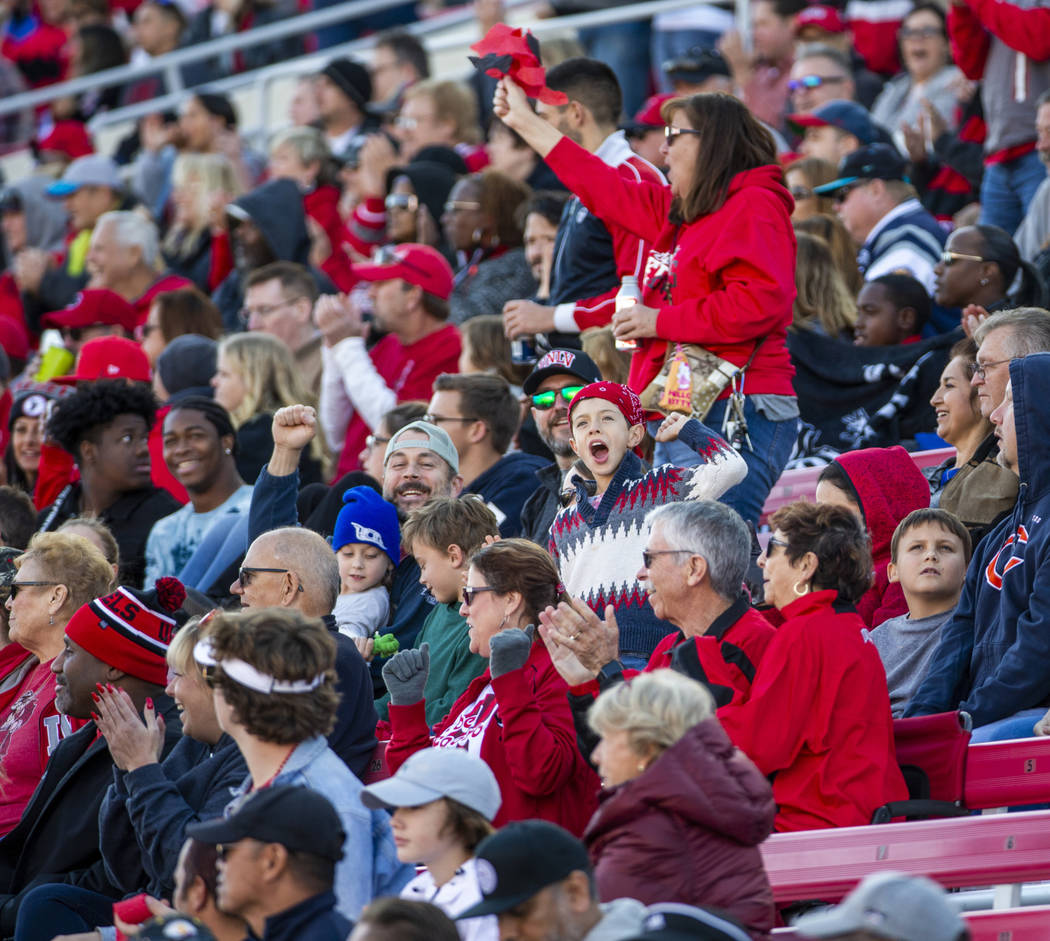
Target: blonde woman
255,376
202,184
823,302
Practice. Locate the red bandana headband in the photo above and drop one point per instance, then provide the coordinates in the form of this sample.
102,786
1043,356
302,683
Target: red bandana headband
620,396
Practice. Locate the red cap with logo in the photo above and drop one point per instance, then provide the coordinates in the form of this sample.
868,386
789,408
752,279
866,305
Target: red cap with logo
109,358
421,265
823,17
67,137
93,307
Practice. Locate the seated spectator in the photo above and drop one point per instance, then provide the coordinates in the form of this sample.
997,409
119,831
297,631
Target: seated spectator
373,454
833,761
644,132
279,300
671,777
442,536
928,557
399,60
367,545
95,312
254,377
156,28
843,249
443,113
344,89
821,25
698,71
55,576
274,680
823,302
820,74
195,892
396,919
979,266
928,75
185,368
801,176
541,872
891,309
57,839
279,863
834,130
879,486
512,157
1034,231
123,257
174,314
542,214
880,210
411,288
105,426
295,568
99,535
201,183
982,663
443,801
17,519
894,906
486,349
483,417
200,447
517,709
596,542
25,424
1001,338
970,484
481,224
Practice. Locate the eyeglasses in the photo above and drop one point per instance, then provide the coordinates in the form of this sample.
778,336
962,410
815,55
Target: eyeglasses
920,32
842,194
980,370
671,133
266,310
542,401
773,541
814,81
649,554
950,258
16,587
470,594
245,574
405,202
438,419
801,192
372,440
460,205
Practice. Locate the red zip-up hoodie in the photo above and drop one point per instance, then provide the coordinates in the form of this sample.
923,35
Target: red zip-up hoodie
724,281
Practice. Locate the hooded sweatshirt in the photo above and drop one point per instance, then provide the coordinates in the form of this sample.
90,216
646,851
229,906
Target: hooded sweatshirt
992,656
46,219
707,799
724,281
888,487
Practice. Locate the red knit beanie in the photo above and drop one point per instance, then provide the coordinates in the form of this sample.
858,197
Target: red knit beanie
620,396
130,630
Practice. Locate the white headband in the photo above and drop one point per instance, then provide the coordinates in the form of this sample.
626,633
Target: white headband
244,674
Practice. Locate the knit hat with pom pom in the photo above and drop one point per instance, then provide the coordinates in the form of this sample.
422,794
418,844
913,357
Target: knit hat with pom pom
130,629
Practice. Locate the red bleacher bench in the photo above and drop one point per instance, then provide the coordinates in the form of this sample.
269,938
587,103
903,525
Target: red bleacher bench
378,769
1007,774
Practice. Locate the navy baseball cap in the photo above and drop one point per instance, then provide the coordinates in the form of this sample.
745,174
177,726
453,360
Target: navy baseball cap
562,362
874,162
847,116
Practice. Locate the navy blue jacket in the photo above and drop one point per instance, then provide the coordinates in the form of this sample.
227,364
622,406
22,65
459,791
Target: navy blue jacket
312,920
506,486
991,660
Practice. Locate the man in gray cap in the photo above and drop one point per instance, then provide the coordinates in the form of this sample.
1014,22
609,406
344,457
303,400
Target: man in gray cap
889,906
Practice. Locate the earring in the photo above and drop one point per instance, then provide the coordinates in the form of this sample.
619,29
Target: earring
798,593
984,281
641,765
229,450
51,620
477,235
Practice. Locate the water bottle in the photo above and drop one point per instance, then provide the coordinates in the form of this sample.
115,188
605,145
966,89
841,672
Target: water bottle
523,350
628,295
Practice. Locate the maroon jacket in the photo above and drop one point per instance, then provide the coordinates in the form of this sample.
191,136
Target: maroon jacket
687,830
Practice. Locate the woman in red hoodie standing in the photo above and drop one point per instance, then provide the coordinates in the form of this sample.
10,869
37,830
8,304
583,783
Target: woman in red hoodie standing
721,268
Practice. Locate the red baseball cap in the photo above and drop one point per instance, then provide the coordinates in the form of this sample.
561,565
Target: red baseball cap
67,137
109,358
648,117
823,17
94,307
13,338
421,265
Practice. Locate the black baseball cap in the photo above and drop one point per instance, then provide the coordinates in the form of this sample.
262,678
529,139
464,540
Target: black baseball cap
670,921
300,819
562,362
522,859
697,65
874,162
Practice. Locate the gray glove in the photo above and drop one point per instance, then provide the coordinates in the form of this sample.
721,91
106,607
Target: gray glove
405,675
509,650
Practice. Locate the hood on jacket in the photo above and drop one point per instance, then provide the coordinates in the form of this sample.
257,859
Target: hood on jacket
1030,382
46,220
431,181
768,177
704,779
276,208
889,486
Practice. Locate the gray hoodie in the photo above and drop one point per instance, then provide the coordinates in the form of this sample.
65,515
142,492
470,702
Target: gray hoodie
621,918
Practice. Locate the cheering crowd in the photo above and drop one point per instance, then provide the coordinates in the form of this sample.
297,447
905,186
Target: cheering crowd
385,543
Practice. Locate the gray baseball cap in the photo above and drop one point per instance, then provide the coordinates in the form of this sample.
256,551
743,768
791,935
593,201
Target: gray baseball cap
889,905
433,773
421,434
92,170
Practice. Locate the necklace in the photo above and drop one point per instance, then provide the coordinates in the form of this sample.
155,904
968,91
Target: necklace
273,776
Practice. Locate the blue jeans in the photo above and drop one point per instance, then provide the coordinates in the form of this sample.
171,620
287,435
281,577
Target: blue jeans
1007,190
771,441
1018,725
624,47
51,910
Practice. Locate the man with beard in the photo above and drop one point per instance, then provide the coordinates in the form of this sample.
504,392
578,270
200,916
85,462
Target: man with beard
551,386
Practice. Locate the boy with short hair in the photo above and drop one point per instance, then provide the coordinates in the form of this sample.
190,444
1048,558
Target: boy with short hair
597,544
929,553
442,535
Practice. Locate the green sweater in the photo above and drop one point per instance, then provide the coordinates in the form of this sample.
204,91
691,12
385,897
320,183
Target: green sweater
452,665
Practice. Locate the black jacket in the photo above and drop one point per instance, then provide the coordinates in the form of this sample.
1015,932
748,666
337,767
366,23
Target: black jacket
539,510
313,920
354,737
57,839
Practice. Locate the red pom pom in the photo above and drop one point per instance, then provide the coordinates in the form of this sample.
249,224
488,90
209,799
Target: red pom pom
171,593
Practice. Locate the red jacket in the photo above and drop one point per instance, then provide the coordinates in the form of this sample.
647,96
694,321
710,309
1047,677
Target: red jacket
818,718
723,281
687,830
527,738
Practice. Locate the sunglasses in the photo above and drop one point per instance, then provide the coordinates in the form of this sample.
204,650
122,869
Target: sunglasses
801,192
542,401
407,202
841,195
773,541
16,587
649,554
950,258
671,133
469,594
813,81
921,32
246,574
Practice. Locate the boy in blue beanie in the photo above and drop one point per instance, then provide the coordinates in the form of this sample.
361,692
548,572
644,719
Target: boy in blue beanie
367,543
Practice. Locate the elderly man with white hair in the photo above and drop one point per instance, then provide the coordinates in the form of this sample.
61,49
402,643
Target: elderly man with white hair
124,257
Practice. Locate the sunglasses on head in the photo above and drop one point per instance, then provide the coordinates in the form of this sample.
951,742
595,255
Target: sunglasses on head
543,401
